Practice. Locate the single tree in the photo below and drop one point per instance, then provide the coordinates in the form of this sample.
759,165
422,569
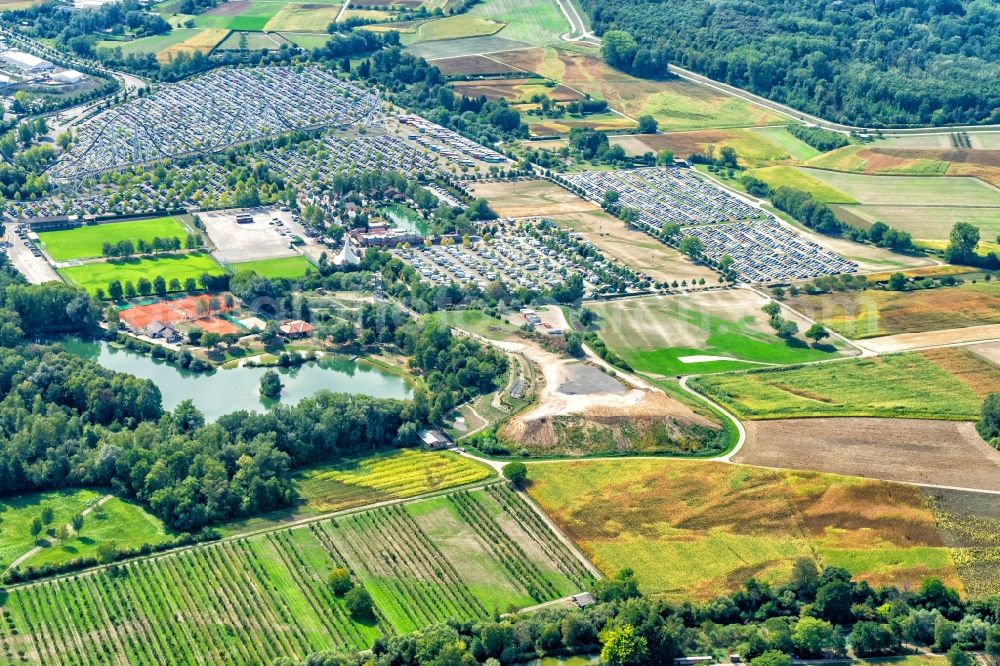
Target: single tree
340,581
516,473
622,646
270,384
77,523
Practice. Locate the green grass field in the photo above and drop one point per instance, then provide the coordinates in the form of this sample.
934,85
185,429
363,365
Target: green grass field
782,138
152,44
85,242
654,334
805,180
16,514
284,267
251,600
477,322
901,385
253,15
97,275
116,521
455,27
306,40
908,190
697,529
538,23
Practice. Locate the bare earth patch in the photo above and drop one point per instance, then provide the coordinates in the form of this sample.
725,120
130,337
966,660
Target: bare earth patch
531,198
946,453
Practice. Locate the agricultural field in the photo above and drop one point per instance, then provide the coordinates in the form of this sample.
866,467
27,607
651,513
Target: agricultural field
515,90
249,601
755,147
970,526
698,333
367,480
676,104
870,313
529,21
945,453
282,267
97,275
634,248
864,159
303,18
251,15
306,40
203,41
787,176
454,27
606,122
254,40
152,44
87,241
937,384
399,475
695,529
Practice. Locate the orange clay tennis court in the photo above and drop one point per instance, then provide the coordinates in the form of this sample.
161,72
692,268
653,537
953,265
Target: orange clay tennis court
217,325
168,312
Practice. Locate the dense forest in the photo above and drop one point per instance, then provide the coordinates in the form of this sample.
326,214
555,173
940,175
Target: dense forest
814,615
882,63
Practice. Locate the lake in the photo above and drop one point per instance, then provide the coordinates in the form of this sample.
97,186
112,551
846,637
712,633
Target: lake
227,390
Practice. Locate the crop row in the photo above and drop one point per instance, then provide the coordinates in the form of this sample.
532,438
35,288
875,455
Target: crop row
521,570
533,525
248,602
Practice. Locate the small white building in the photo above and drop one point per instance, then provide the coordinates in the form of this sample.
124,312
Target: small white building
25,62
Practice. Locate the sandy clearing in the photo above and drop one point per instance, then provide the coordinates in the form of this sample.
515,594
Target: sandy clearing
946,453
909,341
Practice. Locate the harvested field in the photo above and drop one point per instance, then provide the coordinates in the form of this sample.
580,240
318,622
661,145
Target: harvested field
909,190
699,529
453,48
786,176
167,311
924,222
946,453
911,385
634,248
531,198
514,89
605,122
909,341
472,65
203,42
870,313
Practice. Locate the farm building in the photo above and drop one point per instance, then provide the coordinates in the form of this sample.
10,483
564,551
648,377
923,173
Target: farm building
296,328
435,440
25,62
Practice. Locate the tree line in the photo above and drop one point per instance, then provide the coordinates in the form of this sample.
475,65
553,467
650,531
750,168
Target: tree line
815,614
882,64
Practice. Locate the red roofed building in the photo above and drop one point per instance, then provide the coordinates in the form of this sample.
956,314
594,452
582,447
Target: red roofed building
296,328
